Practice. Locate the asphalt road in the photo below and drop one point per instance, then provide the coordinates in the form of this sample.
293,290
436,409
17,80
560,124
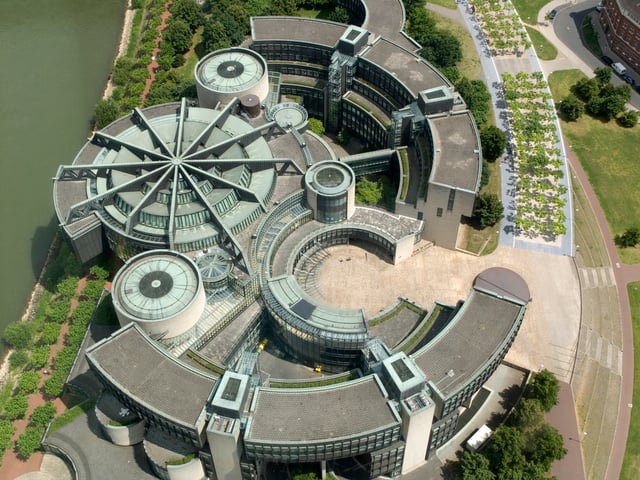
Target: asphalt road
568,28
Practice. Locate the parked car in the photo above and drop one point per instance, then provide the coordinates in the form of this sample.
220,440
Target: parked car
628,79
553,14
619,68
606,60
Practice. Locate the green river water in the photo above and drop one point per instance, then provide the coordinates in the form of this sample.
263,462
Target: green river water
55,57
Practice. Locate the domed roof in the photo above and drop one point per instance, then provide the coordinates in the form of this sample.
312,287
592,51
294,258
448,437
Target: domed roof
172,176
156,285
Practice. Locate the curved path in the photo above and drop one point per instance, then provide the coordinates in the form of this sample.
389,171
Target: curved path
623,274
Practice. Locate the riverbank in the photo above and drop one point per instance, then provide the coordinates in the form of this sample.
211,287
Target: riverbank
31,307
125,38
38,289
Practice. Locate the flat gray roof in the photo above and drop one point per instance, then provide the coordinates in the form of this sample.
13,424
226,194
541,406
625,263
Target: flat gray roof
316,414
387,20
473,336
396,226
296,29
414,72
457,157
142,370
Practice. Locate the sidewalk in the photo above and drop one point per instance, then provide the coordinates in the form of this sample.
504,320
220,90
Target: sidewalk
493,68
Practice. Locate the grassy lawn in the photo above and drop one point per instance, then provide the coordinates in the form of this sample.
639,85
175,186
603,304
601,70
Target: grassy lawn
476,240
606,153
71,414
631,463
590,36
544,48
444,3
528,9
470,65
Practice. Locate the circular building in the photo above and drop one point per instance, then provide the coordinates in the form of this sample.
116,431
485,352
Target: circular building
232,72
331,191
162,291
215,266
171,176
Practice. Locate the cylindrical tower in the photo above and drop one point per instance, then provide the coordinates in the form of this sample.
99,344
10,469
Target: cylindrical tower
330,190
161,291
232,72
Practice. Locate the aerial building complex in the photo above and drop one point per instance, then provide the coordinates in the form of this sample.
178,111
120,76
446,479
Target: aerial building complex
223,209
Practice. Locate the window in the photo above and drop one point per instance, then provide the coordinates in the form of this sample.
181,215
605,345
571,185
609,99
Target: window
452,198
439,212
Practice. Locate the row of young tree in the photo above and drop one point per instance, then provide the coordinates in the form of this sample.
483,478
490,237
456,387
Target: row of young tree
214,25
524,447
599,98
31,341
501,26
541,193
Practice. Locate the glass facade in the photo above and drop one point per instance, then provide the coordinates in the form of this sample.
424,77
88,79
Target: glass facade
332,209
326,450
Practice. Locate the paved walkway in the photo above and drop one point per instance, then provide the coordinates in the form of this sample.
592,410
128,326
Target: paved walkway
493,68
623,274
596,345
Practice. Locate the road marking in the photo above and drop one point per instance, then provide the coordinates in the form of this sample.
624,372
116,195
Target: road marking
597,277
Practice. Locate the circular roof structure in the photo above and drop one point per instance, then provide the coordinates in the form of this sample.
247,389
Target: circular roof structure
171,176
289,115
231,70
214,265
330,178
156,285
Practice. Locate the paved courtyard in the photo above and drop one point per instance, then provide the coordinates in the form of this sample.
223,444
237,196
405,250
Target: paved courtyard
549,333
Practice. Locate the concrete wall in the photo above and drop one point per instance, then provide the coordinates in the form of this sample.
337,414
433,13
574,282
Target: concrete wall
442,223
415,431
189,471
124,435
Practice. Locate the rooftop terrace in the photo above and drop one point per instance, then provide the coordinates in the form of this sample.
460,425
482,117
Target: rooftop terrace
473,336
332,412
139,367
456,162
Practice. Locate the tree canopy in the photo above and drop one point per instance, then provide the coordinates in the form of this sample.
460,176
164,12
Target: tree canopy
571,108
214,35
488,210
504,452
474,466
628,119
442,48
316,126
587,88
187,11
547,445
630,237
19,334
368,192
493,142
477,97
603,75
179,35
106,111
544,387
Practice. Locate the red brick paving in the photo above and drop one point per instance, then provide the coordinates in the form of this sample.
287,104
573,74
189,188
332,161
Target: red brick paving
12,464
623,274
